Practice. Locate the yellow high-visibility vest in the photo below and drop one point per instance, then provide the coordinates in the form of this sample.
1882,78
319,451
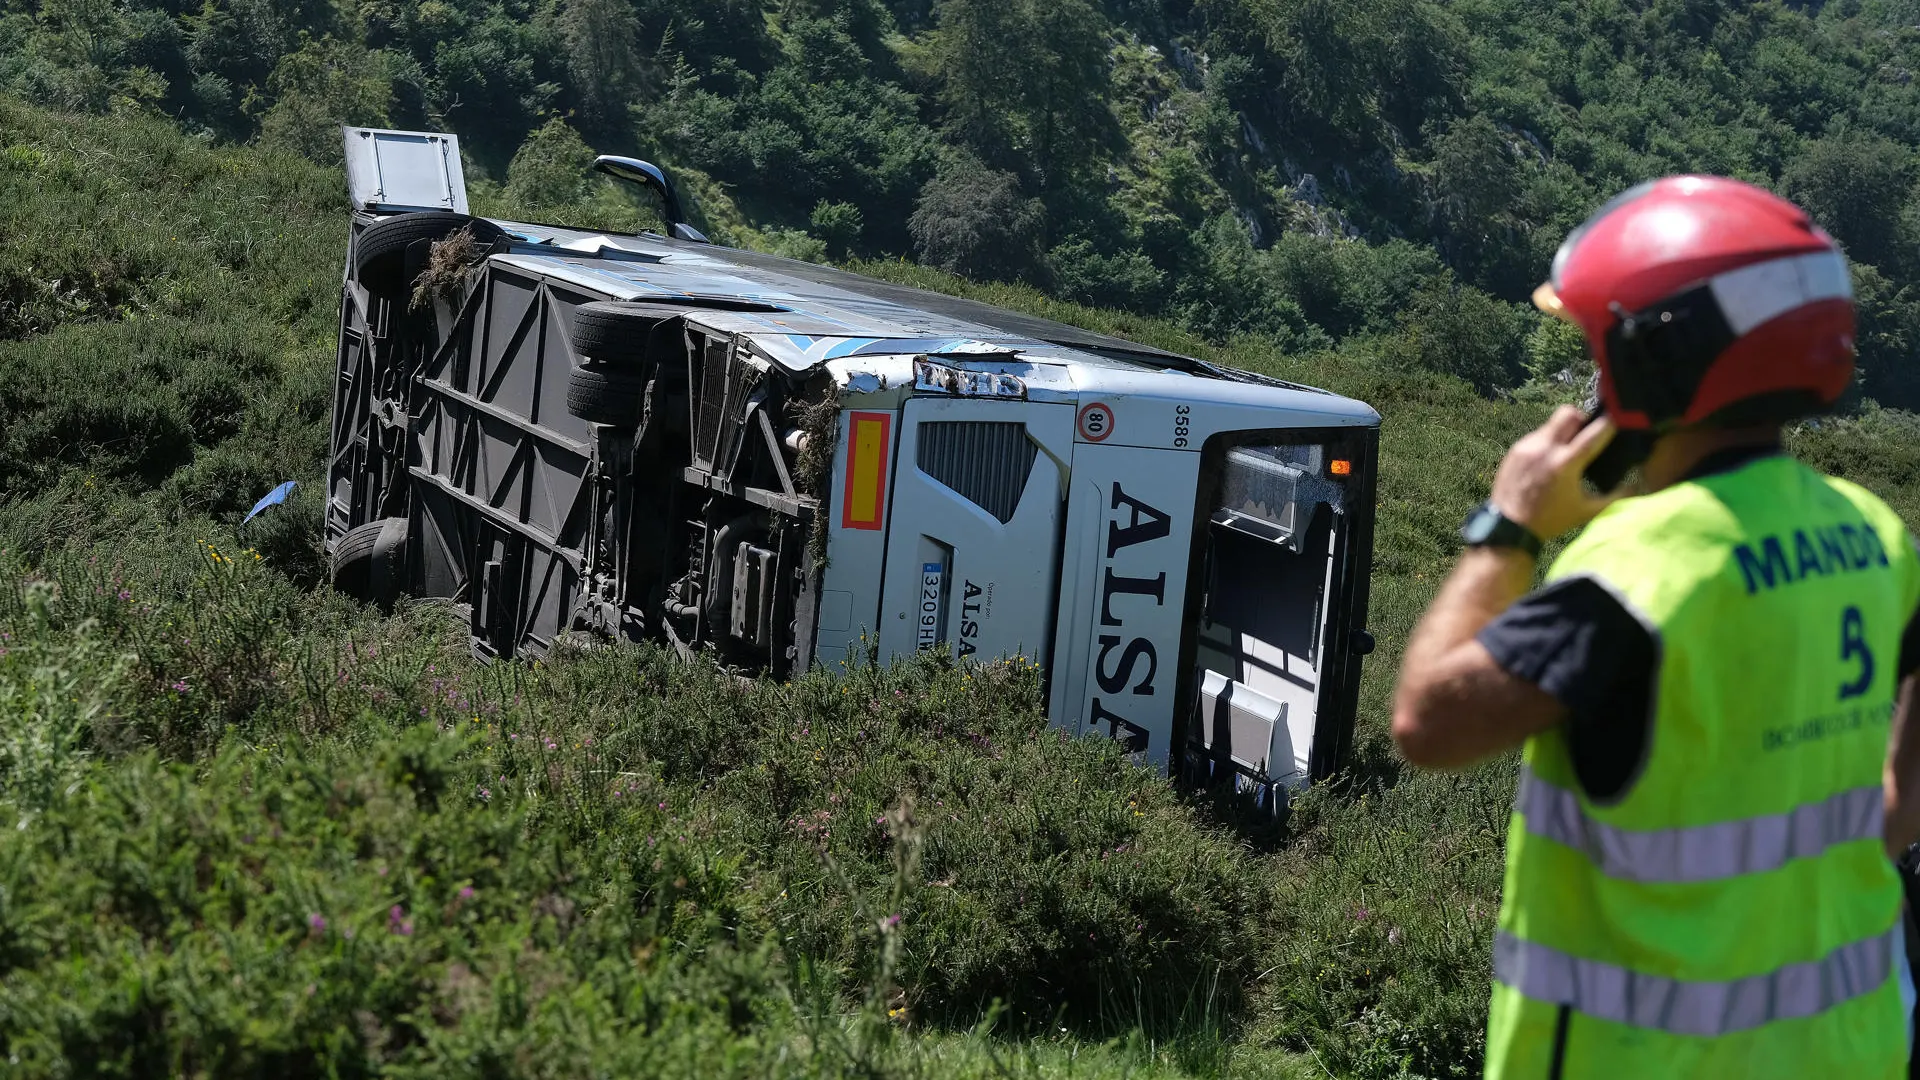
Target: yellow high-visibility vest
1732,912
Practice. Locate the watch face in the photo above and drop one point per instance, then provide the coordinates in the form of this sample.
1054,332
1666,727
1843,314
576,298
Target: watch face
1480,526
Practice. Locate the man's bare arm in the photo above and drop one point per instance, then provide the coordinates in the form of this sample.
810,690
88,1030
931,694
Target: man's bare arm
1455,706
1902,776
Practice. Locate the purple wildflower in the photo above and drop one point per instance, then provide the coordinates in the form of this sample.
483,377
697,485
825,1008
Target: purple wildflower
317,923
398,922
466,892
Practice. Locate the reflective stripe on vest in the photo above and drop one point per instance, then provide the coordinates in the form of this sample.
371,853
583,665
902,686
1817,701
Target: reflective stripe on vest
1702,852
1680,1007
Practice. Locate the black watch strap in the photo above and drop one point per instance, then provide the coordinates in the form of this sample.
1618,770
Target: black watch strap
1488,527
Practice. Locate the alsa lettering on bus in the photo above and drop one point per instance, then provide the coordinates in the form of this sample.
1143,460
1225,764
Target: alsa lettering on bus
970,595
1126,667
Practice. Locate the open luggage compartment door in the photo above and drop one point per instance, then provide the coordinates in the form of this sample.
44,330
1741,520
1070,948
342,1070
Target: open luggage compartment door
404,170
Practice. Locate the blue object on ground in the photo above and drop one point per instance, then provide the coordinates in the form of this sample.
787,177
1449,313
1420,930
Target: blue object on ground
277,495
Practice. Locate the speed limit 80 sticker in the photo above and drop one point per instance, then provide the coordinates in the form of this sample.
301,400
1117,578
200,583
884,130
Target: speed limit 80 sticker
1096,421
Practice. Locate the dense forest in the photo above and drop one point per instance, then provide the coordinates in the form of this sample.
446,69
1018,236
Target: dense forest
1385,176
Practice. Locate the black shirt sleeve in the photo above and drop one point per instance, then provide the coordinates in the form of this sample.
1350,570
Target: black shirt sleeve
1578,642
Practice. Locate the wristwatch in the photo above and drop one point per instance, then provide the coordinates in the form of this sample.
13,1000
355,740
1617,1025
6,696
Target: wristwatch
1488,527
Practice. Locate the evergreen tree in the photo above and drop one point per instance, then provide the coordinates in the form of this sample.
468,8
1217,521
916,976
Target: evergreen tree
1023,83
602,57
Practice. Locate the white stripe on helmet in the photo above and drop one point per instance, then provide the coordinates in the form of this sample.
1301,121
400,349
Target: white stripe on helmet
1760,293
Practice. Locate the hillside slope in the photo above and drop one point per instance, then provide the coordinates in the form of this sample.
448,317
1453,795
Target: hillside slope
259,828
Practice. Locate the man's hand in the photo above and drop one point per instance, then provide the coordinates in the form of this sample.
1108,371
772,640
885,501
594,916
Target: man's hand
1538,484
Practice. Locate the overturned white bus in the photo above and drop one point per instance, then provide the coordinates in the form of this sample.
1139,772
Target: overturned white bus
653,437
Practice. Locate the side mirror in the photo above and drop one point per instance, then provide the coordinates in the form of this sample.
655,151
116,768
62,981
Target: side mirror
647,174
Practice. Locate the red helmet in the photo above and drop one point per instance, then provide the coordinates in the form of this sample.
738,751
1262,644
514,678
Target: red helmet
1706,298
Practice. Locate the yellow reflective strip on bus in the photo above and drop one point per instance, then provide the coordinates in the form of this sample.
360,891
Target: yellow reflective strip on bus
863,502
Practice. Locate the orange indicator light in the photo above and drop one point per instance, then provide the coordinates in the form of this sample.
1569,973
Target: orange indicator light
1341,467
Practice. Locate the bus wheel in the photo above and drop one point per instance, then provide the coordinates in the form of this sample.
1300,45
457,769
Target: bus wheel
379,256
370,562
611,335
603,395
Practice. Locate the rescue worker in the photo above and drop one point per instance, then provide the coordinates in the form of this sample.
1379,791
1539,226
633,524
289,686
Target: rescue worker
1713,684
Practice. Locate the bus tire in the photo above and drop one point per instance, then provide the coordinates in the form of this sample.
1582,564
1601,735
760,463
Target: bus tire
607,395
611,334
380,254
369,563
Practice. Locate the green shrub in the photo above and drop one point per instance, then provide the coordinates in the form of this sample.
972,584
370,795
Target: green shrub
54,693
318,87
1453,329
551,167
837,224
1126,279
642,805
348,915
973,221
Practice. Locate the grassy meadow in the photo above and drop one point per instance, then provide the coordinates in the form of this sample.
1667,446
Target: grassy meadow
253,828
